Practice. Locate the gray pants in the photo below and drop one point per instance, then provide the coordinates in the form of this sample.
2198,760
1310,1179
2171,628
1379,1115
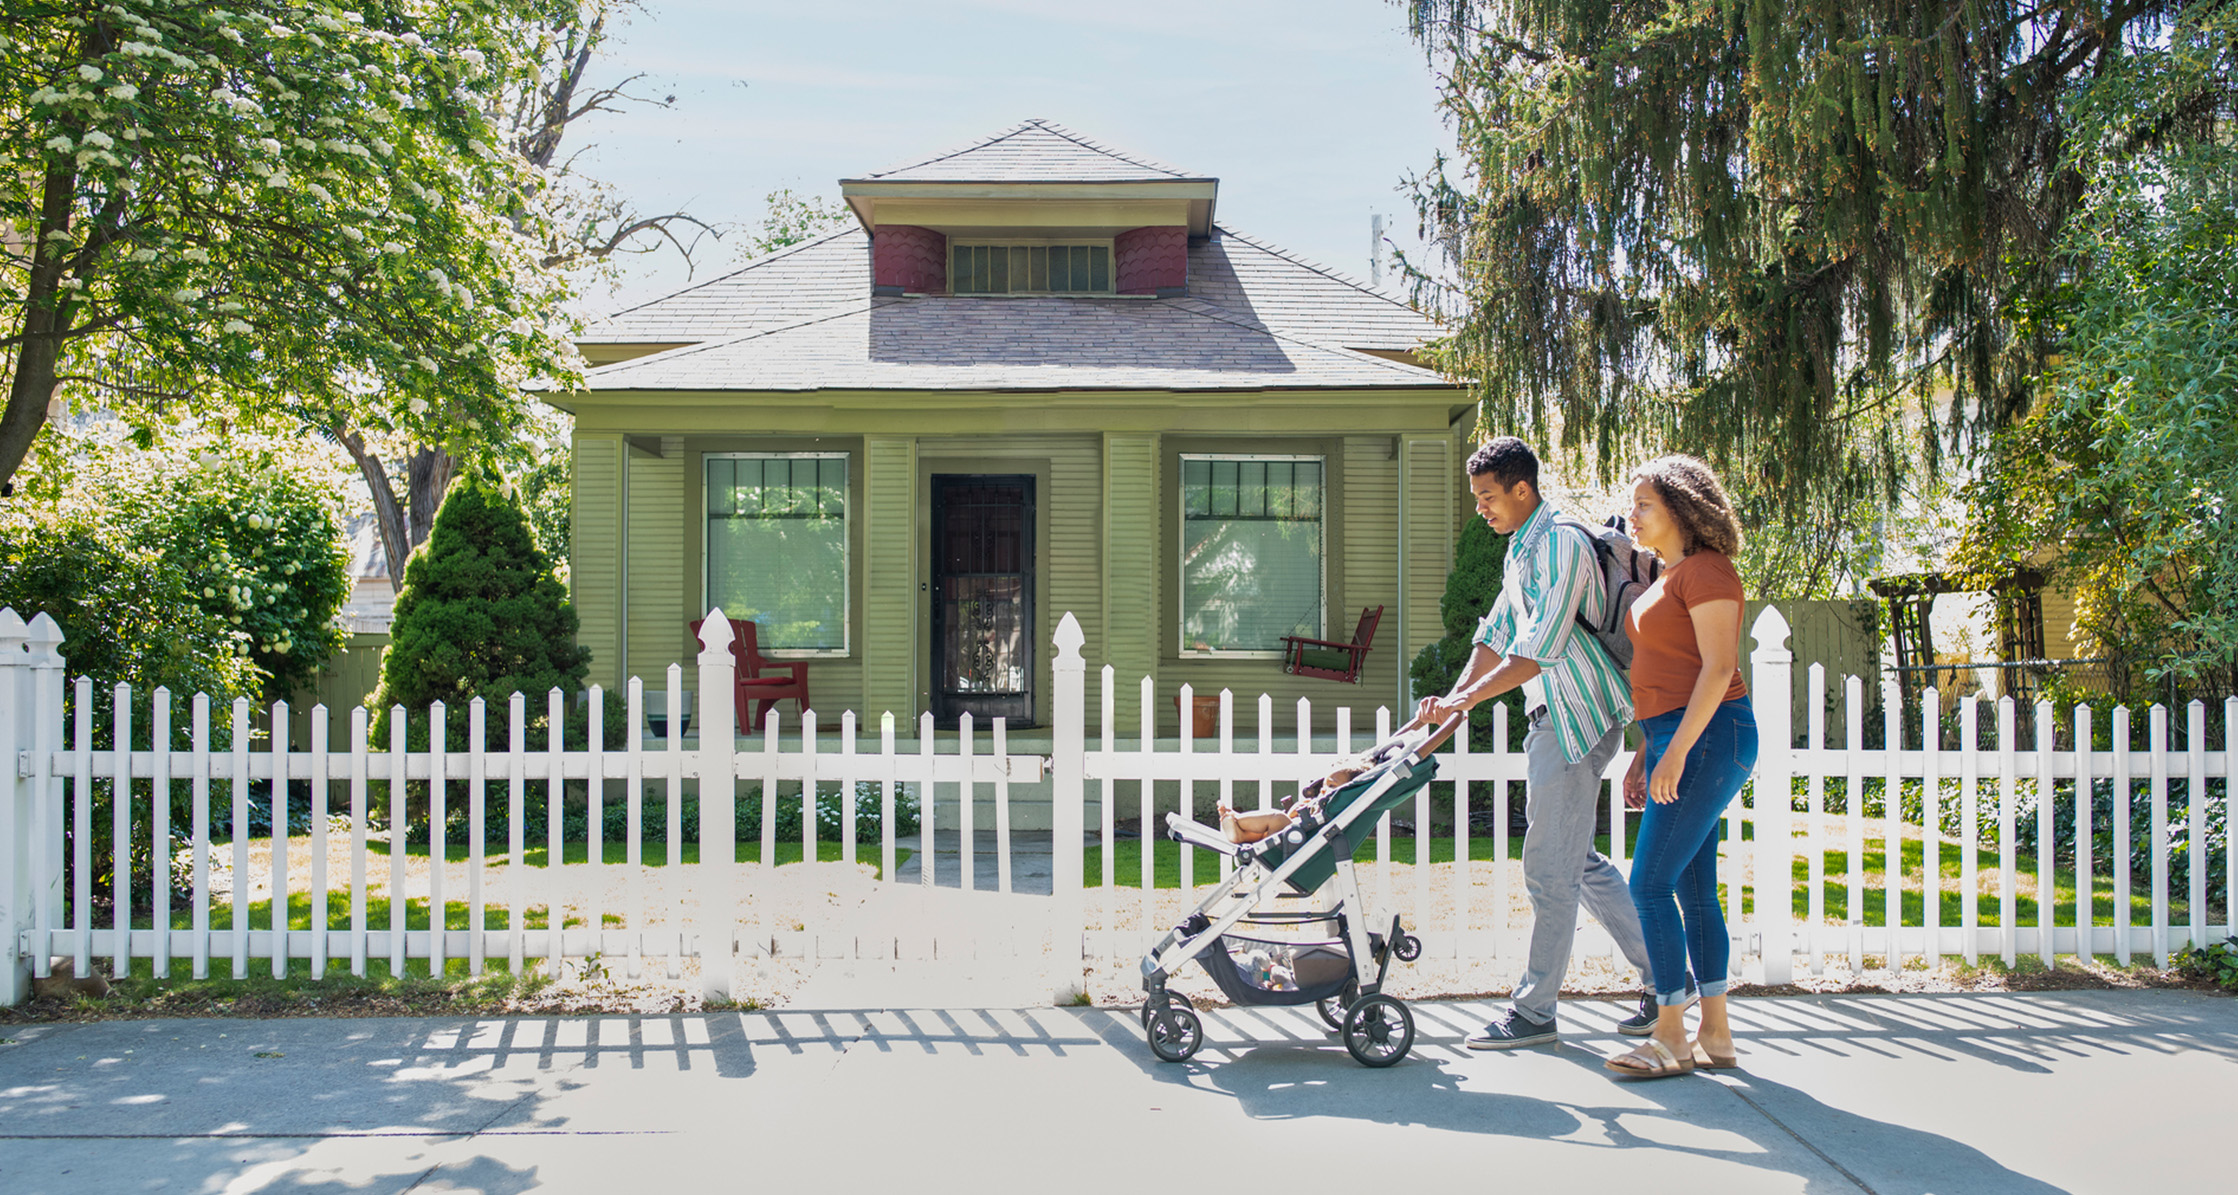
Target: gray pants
1560,865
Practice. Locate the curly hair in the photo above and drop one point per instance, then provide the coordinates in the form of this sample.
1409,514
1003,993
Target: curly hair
1507,461
1697,502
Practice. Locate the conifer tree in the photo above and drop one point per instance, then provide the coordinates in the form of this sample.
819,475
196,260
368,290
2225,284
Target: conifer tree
481,615
1777,234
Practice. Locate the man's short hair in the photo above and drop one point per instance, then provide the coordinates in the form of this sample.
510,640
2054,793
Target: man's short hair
1508,460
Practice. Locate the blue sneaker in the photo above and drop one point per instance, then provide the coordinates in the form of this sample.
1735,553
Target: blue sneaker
1512,1031
1642,1023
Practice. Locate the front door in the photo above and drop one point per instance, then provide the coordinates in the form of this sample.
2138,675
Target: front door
982,597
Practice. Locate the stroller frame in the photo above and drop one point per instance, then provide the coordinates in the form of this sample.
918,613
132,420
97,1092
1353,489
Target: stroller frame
1377,1029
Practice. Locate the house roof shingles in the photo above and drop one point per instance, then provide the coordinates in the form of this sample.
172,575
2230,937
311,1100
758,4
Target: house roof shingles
1037,151
803,319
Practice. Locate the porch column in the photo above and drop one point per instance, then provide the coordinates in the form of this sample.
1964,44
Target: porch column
595,581
1131,520
890,575
1426,485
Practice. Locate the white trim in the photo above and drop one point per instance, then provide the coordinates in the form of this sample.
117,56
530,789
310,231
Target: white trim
1180,580
846,557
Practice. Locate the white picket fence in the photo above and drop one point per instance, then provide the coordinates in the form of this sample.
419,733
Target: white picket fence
660,915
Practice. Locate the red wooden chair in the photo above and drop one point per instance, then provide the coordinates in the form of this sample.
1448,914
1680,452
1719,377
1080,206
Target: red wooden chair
755,684
1328,658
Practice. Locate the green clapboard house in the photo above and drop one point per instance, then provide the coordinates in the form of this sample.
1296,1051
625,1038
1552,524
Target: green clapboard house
1037,377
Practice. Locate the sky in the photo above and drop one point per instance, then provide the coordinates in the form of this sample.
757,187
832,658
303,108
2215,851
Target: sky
1311,113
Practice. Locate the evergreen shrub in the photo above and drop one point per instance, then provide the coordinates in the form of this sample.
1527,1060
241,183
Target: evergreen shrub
483,614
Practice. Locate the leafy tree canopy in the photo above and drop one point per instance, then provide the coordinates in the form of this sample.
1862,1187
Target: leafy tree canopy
2128,469
1786,235
275,205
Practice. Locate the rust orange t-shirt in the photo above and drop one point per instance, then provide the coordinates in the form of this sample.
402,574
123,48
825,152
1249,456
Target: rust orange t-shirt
1666,658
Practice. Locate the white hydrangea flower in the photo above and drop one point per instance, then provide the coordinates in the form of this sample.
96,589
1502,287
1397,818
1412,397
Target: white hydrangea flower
124,91
270,145
236,327
197,254
320,193
419,405
89,72
186,294
61,143
428,364
143,254
98,139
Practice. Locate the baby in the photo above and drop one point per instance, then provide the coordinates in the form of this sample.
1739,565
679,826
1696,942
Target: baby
1251,827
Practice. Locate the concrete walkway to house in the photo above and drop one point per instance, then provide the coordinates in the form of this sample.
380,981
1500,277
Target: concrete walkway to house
1896,1095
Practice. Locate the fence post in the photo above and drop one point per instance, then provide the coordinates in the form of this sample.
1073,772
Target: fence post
19,854
1068,804
718,812
1771,688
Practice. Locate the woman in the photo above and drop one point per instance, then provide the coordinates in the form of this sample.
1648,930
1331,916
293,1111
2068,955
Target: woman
1700,745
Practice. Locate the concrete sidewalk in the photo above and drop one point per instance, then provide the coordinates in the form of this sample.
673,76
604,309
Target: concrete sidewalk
1896,1095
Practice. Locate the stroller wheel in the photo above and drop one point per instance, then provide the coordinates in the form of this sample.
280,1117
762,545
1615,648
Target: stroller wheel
1150,1008
1378,1030
1175,1033
1332,1008
1409,948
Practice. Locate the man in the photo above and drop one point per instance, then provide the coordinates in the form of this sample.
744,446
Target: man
1578,704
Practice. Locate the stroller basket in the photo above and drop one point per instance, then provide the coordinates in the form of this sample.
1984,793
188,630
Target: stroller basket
1316,870
1255,971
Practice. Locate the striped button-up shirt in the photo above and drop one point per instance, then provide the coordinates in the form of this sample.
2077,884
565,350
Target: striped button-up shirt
1551,576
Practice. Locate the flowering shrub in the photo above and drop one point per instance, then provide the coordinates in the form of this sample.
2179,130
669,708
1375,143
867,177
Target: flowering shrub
261,544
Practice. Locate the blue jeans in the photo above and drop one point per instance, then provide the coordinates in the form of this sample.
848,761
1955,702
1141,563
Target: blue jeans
1674,863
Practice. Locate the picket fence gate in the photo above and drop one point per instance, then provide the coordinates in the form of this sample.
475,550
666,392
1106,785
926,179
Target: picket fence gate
58,776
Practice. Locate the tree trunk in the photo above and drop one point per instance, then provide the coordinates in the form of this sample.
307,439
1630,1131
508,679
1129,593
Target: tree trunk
428,478
45,320
388,515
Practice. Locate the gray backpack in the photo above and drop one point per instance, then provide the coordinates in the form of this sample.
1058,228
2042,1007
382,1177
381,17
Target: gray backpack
1626,572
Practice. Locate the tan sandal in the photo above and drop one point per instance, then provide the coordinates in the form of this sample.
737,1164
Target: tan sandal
1715,1062
1651,1060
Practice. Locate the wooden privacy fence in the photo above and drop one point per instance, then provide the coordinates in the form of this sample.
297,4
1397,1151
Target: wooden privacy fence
1799,872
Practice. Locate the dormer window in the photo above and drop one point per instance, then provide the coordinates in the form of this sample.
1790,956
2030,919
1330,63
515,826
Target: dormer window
1015,267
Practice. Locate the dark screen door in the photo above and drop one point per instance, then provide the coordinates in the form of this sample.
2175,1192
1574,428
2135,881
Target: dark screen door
982,597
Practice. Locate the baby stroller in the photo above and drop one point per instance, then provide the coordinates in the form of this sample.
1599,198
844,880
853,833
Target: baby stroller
1327,957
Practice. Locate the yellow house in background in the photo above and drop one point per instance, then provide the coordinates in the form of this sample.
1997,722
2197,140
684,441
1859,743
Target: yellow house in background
1038,376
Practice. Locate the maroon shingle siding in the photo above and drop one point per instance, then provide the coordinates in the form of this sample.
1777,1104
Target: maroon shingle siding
1148,260
912,258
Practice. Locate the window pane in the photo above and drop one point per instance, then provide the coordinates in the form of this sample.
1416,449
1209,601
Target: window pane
1099,268
1248,582
998,268
777,552
1079,268
1251,553
1037,269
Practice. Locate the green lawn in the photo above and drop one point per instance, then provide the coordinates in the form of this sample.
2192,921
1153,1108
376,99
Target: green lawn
456,912
1166,873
